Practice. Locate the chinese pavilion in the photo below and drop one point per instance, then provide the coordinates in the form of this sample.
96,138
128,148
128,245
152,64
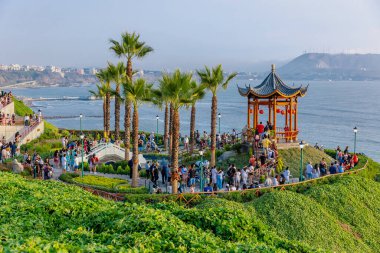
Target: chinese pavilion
279,99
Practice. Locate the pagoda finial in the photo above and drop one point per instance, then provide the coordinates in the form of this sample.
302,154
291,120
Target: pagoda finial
273,67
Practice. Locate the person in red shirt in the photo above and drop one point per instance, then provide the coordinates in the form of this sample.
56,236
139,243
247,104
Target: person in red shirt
252,160
355,159
260,128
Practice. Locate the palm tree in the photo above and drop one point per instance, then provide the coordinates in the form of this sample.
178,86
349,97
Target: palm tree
105,80
214,79
177,88
129,47
159,99
118,75
100,92
198,94
136,92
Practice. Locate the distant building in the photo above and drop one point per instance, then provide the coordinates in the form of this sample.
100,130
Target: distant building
94,71
3,67
14,67
80,71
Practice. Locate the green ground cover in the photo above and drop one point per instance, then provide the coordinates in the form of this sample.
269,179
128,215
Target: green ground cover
21,109
100,181
292,158
43,215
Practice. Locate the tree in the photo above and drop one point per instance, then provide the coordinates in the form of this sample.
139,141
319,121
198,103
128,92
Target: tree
105,80
214,80
177,88
159,99
100,92
129,47
136,92
198,92
118,75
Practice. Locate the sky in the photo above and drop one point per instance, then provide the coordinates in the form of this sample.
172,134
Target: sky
239,34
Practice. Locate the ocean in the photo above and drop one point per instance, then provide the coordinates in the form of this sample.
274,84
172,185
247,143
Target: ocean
327,114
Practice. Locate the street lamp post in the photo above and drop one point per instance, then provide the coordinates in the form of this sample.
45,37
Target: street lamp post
302,145
219,116
81,137
355,132
157,118
201,178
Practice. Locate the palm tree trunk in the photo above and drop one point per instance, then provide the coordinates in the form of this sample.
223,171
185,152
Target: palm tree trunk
175,150
214,109
104,116
117,113
127,129
171,129
127,118
135,155
108,108
192,128
166,129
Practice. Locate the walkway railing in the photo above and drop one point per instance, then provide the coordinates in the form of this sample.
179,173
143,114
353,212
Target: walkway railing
25,131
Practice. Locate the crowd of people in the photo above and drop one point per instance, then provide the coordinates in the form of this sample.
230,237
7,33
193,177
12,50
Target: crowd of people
5,98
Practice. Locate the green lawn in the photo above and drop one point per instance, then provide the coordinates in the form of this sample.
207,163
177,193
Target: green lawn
292,158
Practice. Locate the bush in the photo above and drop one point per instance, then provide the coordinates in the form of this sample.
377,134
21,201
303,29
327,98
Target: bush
119,170
68,177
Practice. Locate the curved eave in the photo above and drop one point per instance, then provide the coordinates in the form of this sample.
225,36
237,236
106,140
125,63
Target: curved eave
301,92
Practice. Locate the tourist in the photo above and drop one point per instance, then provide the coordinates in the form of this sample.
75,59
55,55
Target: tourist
266,144
155,174
94,161
64,163
208,188
260,128
230,174
286,174
164,171
213,175
276,180
309,171
316,171
147,169
237,178
219,179
192,173
186,143
252,160
332,169
250,171
76,162
192,188
257,139
244,175
340,168
323,167
268,182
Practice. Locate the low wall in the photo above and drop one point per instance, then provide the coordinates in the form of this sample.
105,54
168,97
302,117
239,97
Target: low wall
9,131
33,133
8,109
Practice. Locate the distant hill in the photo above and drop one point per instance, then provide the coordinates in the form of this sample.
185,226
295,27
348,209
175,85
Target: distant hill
320,66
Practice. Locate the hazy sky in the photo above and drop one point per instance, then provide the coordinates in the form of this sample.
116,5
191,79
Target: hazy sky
185,34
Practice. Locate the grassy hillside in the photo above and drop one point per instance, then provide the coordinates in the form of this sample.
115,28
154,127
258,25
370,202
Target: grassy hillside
21,109
292,158
342,216
52,216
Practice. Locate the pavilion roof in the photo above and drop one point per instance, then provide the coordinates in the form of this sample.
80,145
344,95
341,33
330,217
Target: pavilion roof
272,85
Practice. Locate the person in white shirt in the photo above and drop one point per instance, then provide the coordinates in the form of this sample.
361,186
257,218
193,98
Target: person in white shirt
213,175
186,143
286,174
309,171
268,182
244,175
